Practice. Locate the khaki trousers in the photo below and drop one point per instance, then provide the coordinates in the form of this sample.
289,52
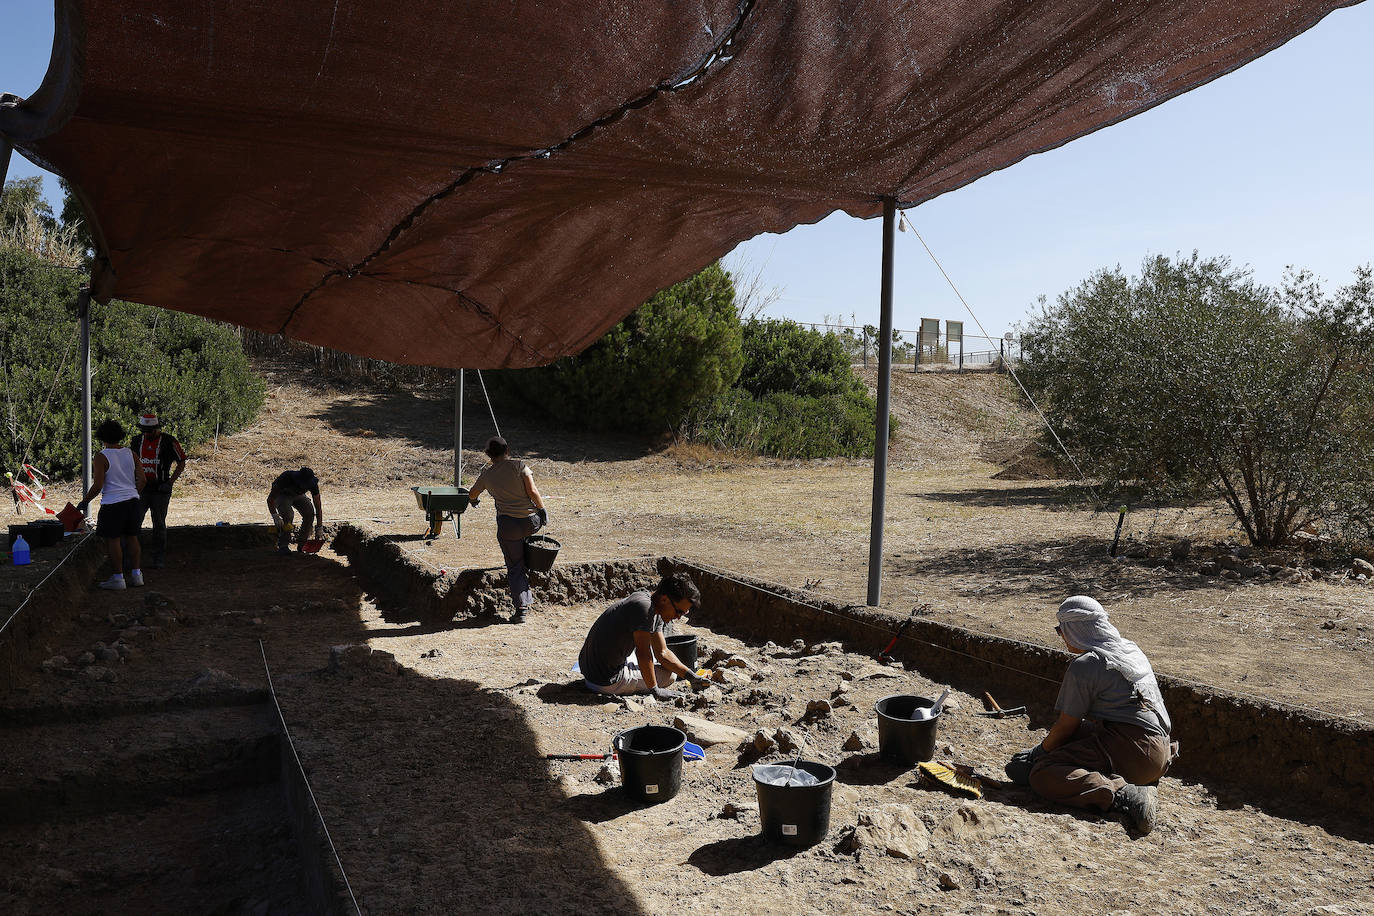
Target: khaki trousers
1087,771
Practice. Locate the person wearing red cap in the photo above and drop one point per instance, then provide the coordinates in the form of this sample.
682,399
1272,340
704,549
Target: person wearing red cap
162,459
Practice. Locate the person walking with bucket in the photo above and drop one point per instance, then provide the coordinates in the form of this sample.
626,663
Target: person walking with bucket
520,513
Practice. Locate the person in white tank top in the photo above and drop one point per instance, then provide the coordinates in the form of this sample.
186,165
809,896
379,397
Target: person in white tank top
117,479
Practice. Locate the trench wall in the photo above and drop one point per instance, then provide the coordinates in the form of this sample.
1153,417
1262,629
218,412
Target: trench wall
325,885
411,591
1247,750
52,609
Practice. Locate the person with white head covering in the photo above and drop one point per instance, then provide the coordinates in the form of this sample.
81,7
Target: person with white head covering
1111,742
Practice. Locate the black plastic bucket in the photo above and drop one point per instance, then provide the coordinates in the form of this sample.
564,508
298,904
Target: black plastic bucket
650,761
901,738
540,552
44,532
797,815
684,646
16,531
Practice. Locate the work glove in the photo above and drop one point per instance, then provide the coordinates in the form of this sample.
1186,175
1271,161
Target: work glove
698,682
666,695
1021,763
83,507
543,516
474,500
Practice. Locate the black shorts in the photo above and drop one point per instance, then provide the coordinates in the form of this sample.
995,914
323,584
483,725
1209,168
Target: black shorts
119,519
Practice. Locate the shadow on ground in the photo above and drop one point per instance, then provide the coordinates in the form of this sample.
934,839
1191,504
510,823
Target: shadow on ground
1049,568
427,785
426,420
1046,496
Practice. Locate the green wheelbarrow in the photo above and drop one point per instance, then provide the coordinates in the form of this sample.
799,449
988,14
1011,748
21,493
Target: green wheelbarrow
442,504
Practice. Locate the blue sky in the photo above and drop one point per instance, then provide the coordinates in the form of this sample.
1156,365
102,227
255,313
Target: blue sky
1269,165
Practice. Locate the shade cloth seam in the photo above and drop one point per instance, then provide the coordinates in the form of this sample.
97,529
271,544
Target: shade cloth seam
722,52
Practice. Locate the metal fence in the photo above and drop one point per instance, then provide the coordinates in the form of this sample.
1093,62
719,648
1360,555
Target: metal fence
934,353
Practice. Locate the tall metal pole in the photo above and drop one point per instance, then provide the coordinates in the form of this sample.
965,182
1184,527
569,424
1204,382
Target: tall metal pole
83,311
875,537
458,431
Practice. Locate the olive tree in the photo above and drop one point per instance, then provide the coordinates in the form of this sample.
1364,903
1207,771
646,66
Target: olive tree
1193,377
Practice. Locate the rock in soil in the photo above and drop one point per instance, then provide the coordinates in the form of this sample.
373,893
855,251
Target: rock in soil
892,830
708,733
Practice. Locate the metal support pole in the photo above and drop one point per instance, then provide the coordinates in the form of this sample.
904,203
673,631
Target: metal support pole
6,147
875,537
458,431
83,312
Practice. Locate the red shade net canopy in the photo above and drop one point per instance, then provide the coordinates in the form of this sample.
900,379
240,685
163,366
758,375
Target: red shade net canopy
489,184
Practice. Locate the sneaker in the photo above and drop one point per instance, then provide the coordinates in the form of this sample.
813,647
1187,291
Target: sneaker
136,578
520,615
1139,805
115,583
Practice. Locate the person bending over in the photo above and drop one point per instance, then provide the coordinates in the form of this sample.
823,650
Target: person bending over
626,651
292,492
116,478
1110,744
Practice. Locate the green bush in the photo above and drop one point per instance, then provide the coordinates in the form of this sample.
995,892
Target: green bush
676,351
797,397
187,369
786,425
782,355
671,364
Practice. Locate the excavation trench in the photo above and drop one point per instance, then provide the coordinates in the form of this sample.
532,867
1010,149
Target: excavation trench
164,782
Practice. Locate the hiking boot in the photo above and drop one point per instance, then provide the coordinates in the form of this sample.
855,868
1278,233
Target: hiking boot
136,578
520,615
115,583
1139,805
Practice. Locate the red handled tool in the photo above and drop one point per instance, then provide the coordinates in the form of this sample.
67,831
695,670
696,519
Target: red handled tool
920,607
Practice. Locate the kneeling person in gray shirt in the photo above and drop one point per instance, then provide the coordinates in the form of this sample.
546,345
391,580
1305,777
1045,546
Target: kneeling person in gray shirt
626,651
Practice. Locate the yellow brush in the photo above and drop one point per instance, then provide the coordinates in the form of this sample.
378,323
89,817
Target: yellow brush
952,780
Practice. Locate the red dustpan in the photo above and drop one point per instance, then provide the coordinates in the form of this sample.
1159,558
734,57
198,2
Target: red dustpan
312,546
71,518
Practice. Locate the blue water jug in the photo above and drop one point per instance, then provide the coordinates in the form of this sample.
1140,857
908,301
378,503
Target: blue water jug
21,551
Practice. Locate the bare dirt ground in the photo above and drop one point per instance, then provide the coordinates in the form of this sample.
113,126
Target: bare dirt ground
433,780
430,773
